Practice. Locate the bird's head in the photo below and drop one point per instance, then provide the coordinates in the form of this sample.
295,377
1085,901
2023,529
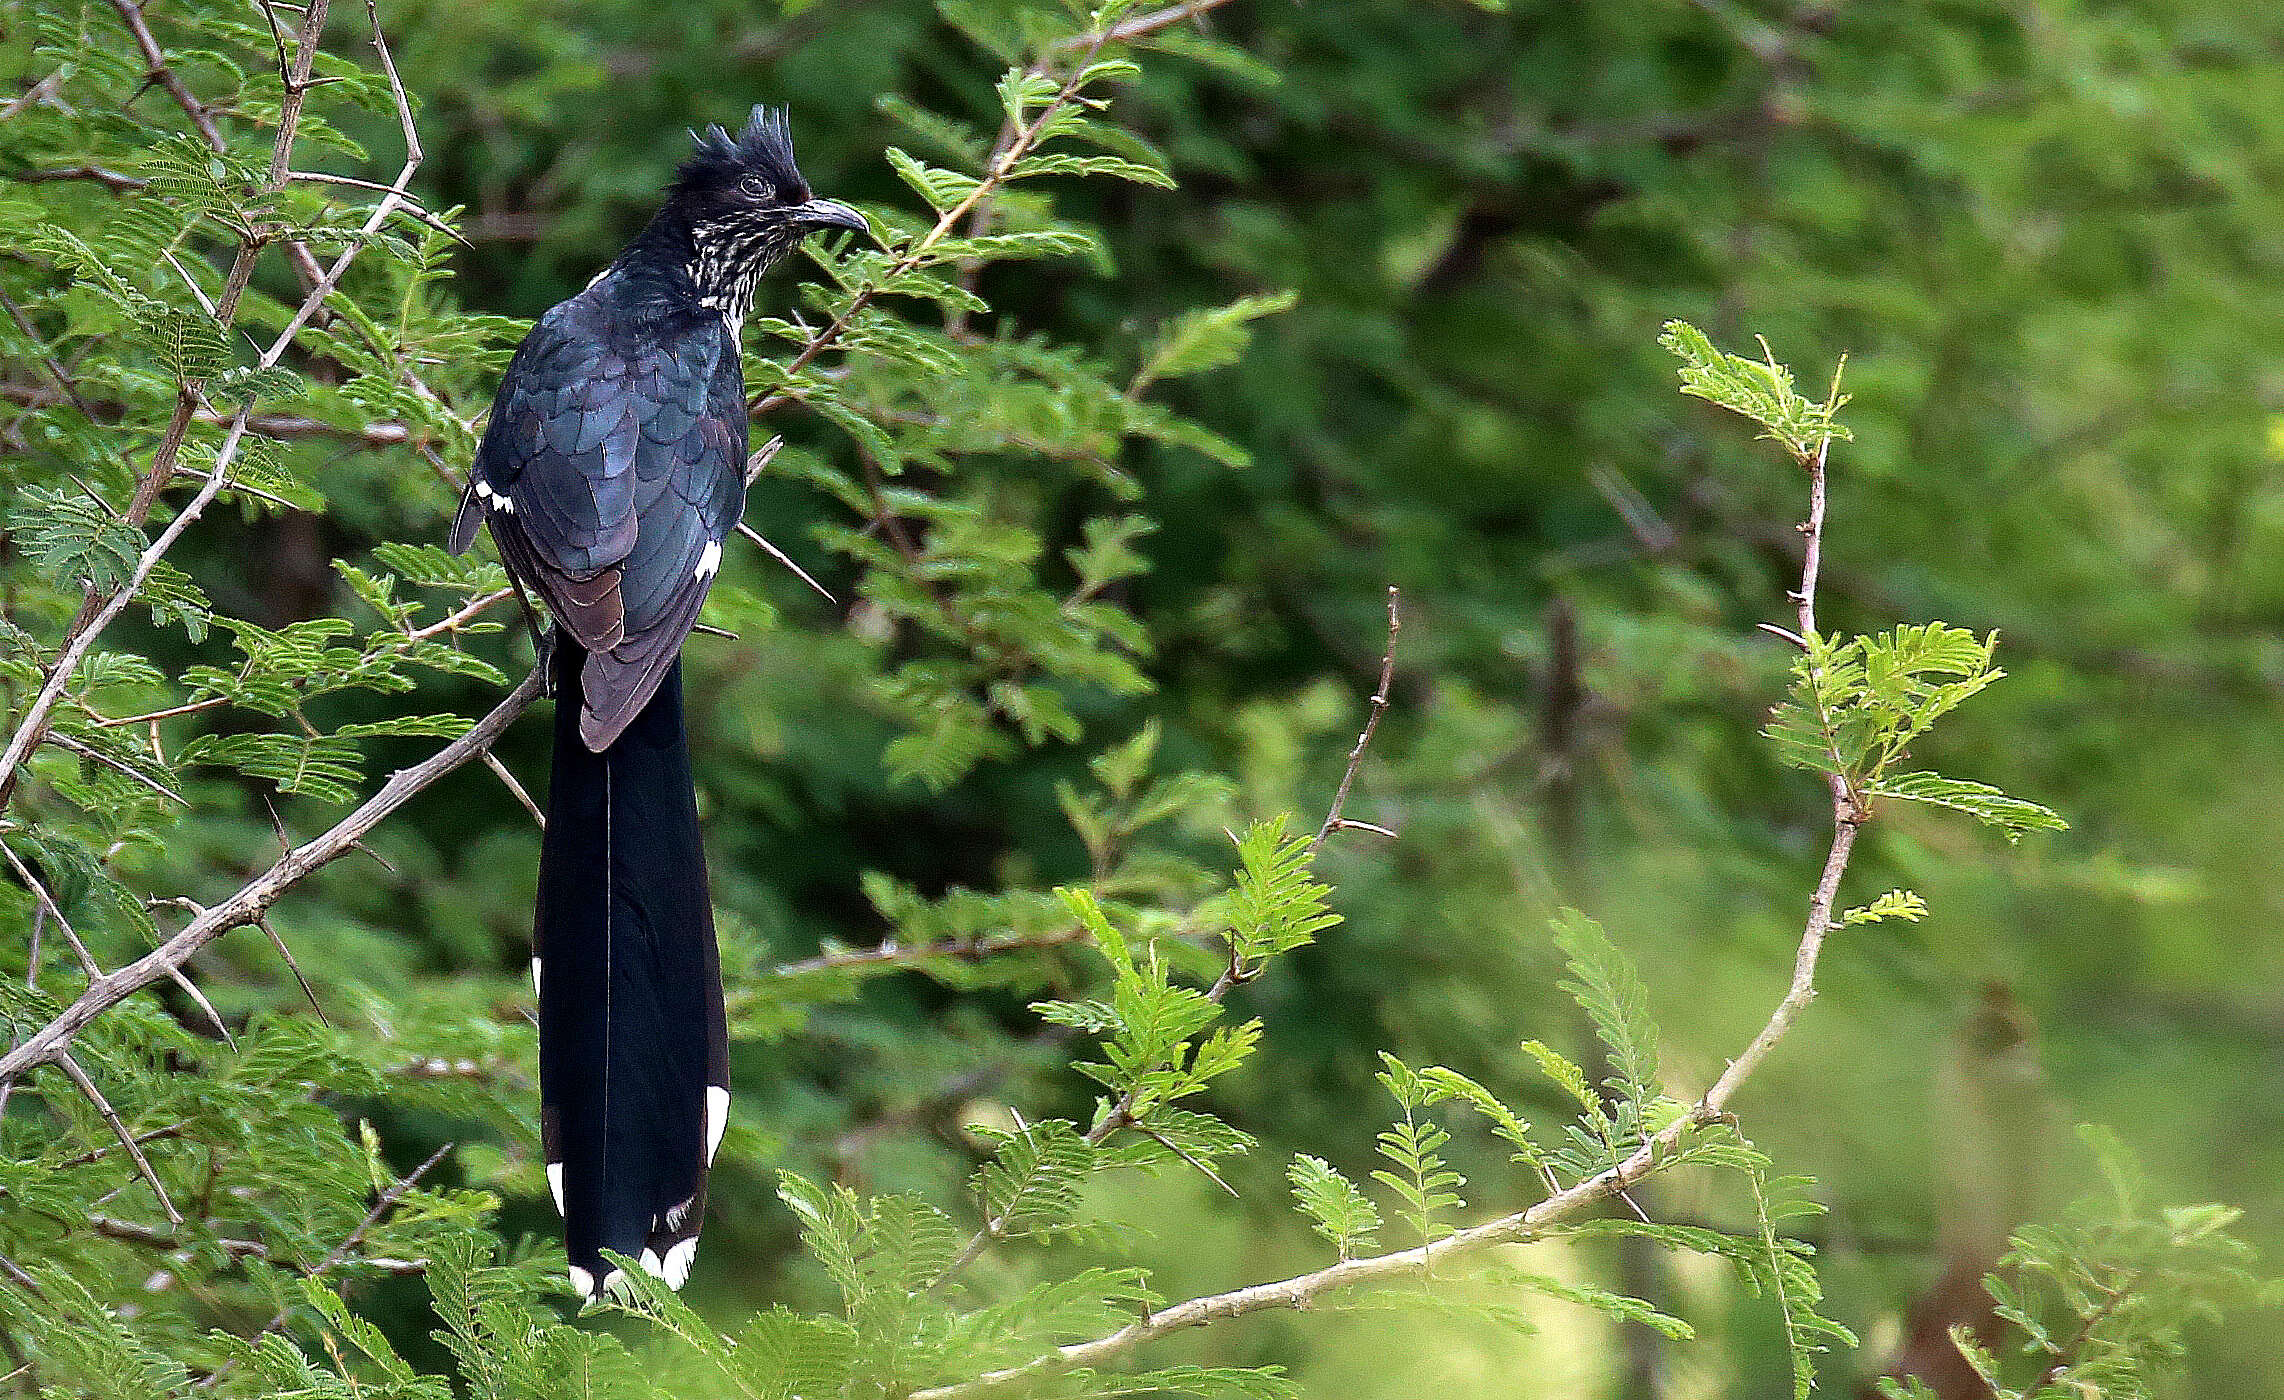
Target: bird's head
746,206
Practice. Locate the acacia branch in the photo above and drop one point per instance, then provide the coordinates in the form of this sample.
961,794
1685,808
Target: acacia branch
254,899
1536,1221
1015,143
295,78
1378,706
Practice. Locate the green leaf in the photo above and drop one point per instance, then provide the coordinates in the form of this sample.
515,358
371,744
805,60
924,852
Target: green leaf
1760,390
2012,815
1617,1306
1895,904
1509,1125
172,598
1426,1184
1277,904
1032,1182
70,537
1336,1209
1061,163
191,344
1208,339
1567,1076
1604,984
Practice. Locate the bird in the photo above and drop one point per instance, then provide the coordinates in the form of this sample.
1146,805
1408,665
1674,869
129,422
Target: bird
609,475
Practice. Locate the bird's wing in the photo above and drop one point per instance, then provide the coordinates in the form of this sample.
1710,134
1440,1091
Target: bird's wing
611,473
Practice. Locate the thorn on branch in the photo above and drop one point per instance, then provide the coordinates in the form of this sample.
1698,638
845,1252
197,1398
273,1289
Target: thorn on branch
1210,1174
286,953
781,557
500,770
86,1086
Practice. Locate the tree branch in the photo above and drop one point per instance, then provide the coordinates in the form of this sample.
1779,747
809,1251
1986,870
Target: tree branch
254,899
1521,1226
1333,821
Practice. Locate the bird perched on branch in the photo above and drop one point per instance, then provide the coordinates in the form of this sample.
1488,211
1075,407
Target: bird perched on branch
610,474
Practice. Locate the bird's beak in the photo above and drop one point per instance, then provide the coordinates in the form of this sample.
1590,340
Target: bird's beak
826,213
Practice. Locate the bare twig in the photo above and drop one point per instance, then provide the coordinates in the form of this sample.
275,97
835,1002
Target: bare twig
48,909
42,91
762,456
134,1232
500,771
202,117
97,1154
455,621
412,207
1378,706
781,557
192,708
66,741
278,942
131,14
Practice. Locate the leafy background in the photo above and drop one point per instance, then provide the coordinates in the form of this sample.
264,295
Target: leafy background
2044,235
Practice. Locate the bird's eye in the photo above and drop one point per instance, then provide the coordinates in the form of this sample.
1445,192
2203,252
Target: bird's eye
755,185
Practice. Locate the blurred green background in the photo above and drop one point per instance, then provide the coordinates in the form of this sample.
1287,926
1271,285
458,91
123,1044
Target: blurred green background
2047,237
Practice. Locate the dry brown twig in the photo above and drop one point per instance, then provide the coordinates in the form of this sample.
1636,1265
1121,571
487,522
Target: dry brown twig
1300,1291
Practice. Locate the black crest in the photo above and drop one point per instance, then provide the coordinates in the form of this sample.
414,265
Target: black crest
764,148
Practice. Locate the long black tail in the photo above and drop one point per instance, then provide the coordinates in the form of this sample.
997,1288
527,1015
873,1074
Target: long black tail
633,1051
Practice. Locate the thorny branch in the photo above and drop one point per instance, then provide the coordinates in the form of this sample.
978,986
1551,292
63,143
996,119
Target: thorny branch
1521,1226
253,900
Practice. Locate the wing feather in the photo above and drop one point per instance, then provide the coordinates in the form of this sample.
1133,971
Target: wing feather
610,475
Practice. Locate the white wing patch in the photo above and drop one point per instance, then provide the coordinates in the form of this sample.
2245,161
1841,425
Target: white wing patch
711,560
717,1119
535,977
555,1184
